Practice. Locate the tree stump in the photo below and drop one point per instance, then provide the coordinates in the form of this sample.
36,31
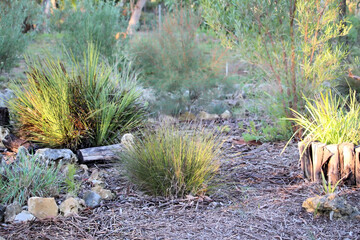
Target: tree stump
336,161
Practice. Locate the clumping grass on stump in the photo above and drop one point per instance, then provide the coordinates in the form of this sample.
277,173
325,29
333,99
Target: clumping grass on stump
173,163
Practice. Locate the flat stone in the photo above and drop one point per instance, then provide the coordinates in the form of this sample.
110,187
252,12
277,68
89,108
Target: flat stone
207,116
24,216
226,115
92,199
11,211
332,205
49,155
43,207
69,207
104,193
94,175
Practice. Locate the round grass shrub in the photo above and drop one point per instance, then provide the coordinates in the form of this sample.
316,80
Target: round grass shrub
85,105
28,177
173,163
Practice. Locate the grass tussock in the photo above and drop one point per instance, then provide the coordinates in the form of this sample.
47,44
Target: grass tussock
173,163
28,177
331,119
86,105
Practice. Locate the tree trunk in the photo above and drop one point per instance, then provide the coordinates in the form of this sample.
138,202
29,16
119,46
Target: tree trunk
135,16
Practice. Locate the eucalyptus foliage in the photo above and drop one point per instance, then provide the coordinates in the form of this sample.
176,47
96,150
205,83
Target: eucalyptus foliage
91,21
294,42
13,41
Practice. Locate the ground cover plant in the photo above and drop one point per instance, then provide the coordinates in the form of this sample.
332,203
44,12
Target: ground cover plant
13,41
87,104
180,71
172,163
28,177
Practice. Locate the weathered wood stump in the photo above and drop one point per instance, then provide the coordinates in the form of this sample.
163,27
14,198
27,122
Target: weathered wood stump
337,161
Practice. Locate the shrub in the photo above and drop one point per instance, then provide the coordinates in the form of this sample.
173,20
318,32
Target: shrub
28,177
176,66
330,119
172,162
83,106
91,21
12,41
291,42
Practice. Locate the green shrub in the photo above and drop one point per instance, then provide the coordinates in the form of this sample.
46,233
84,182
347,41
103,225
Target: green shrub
86,105
330,119
176,66
12,41
28,177
293,43
71,185
91,21
172,162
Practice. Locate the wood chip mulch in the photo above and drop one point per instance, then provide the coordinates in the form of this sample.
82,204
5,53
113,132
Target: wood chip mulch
257,195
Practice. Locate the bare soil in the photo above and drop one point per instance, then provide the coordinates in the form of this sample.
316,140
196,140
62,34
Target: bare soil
257,194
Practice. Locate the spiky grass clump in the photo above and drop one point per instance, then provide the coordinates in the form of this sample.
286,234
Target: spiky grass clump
172,162
331,119
28,177
86,105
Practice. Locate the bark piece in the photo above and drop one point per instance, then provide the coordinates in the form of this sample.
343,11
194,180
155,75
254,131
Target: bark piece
357,166
305,160
104,153
318,154
349,162
333,172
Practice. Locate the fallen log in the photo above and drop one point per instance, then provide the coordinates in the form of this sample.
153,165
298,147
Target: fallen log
104,153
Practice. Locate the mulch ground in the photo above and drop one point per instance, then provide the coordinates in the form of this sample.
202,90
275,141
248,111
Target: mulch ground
257,195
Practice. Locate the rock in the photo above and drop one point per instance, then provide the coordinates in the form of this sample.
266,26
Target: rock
24,216
94,175
3,133
5,96
22,152
127,140
207,116
11,211
166,119
2,212
332,205
49,155
69,207
43,207
96,182
187,116
226,114
104,194
92,199
84,167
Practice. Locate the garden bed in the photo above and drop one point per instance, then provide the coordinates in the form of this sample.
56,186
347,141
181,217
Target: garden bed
257,195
